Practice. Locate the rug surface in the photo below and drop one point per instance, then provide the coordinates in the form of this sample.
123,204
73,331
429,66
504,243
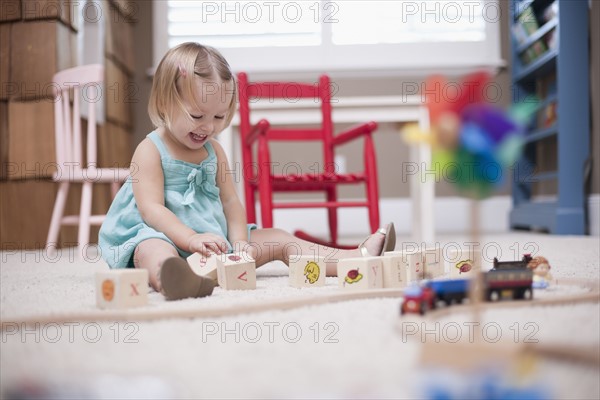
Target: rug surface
356,348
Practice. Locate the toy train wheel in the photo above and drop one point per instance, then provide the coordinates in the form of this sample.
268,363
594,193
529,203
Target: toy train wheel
423,309
527,294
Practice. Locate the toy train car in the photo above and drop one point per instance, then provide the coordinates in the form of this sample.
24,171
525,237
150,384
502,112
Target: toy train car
507,280
508,283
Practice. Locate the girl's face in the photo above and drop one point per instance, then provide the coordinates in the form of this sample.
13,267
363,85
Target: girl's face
214,98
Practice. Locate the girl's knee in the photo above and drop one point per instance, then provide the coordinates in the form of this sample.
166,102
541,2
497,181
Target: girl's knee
152,252
277,232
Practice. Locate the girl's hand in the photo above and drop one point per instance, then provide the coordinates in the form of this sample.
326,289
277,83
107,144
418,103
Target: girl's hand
242,245
207,244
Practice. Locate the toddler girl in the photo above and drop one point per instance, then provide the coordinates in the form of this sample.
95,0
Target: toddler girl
180,199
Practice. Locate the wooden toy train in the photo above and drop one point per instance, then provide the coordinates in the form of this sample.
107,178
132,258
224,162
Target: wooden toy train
507,279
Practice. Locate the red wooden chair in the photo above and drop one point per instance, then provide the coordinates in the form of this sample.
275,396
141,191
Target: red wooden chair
258,175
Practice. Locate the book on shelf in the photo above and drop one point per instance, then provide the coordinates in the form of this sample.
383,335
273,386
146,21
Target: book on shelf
546,87
552,40
519,33
526,25
549,114
533,52
528,20
550,12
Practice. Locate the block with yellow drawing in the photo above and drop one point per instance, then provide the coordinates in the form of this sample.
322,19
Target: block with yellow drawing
307,271
463,262
360,273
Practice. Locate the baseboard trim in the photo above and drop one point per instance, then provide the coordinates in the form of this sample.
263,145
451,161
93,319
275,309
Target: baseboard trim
451,215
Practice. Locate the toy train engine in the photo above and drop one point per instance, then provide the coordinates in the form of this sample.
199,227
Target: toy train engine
417,299
421,299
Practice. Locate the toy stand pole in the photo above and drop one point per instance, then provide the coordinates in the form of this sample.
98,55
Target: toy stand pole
476,287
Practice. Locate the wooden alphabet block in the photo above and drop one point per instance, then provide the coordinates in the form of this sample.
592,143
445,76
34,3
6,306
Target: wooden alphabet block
236,271
434,263
461,263
306,271
395,270
414,263
122,288
204,266
360,273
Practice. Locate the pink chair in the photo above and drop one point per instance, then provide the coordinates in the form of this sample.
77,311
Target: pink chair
85,84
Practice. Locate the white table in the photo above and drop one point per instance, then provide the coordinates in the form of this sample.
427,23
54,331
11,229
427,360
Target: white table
395,109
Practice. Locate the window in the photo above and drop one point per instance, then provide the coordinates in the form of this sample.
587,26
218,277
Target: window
325,35
239,24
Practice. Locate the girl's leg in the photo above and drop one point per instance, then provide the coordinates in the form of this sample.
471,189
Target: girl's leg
150,254
161,259
276,244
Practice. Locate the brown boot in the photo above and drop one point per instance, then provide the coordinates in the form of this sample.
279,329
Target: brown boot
180,282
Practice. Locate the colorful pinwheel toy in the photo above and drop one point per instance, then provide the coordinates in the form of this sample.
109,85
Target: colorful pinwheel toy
473,141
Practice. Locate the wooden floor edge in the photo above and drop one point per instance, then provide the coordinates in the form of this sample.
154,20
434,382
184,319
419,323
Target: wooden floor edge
442,312
133,315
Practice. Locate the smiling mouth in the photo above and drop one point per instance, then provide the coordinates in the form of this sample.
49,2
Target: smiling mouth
198,138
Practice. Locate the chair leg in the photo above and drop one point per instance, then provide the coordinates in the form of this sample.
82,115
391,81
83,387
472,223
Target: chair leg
373,199
265,187
85,213
371,184
266,205
57,215
114,188
250,206
333,214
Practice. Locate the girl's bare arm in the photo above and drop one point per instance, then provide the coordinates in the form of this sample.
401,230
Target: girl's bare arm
232,206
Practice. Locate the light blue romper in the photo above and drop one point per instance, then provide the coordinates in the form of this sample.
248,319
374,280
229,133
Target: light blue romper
191,193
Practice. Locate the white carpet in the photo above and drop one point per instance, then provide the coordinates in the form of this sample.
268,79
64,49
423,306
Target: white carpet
341,350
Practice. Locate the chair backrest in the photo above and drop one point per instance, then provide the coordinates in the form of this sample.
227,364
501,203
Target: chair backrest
85,84
250,92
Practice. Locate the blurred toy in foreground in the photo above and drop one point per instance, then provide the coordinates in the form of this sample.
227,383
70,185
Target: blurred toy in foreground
488,384
473,141
541,272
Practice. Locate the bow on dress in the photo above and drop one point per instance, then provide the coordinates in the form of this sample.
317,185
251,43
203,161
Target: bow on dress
205,181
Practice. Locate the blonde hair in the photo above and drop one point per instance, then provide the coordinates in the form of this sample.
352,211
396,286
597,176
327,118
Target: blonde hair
536,261
188,60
